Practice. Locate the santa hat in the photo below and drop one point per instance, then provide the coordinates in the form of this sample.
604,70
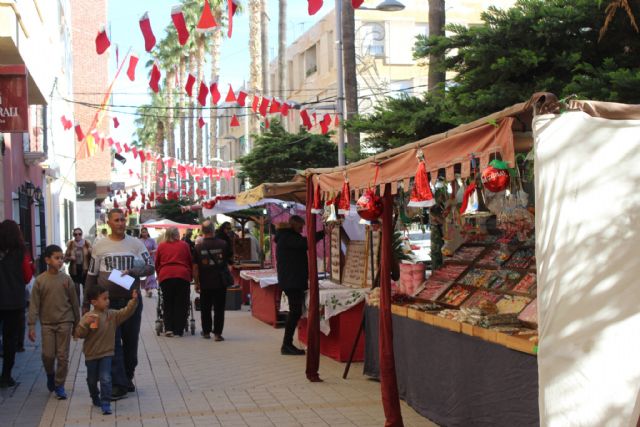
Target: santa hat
231,97
314,6
232,6
207,22
234,121
421,195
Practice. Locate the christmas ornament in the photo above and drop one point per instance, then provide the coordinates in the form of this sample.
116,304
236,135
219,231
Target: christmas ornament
207,22
116,123
264,105
369,205
191,80
314,6
231,96
494,179
102,41
356,3
234,121
242,96
317,201
203,92
181,26
275,107
201,122
66,123
79,133
306,120
215,93
147,32
232,6
131,70
344,203
284,110
155,78
421,195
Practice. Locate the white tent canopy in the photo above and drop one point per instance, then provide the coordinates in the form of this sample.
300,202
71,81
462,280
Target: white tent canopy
167,223
228,206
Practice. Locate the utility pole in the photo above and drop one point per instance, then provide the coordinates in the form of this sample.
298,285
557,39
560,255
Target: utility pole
340,82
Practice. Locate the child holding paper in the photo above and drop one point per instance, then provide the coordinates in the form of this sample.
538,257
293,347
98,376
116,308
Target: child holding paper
98,328
55,302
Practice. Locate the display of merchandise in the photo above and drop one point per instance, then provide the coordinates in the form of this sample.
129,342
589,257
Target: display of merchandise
476,277
466,254
527,285
521,258
447,274
433,290
480,297
530,313
503,280
455,296
511,304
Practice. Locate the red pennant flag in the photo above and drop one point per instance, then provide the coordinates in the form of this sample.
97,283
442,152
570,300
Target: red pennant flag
134,150
147,32
284,110
79,133
275,107
181,26
118,148
126,148
116,123
255,103
234,121
201,122
231,10
207,22
231,97
215,93
130,172
242,96
131,71
102,41
66,123
314,6
325,123
110,141
336,121
264,105
143,158
306,120
191,80
203,92
356,3
155,78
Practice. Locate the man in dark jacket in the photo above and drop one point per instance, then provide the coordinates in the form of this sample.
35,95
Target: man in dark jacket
291,256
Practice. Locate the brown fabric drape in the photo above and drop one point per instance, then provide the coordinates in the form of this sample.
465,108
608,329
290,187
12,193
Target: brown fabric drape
313,315
388,381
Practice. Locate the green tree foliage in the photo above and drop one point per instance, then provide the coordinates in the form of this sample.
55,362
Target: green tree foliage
170,209
278,154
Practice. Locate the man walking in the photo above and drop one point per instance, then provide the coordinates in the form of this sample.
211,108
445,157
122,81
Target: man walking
128,255
211,275
293,275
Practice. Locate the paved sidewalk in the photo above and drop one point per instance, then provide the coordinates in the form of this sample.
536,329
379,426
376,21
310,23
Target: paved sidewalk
188,381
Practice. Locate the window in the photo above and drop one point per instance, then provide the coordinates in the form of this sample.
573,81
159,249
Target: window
331,49
371,38
310,61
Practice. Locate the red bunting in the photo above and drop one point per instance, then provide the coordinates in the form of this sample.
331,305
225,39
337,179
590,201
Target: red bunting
284,110
116,123
142,156
356,3
242,96
110,141
201,122
306,120
189,86
126,148
203,92
134,150
147,32
255,103
336,121
215,93
66,123
231,97
234,121
118,148
275,107
207,22
314,6
264,105
181,27
325,123
102,41
155,78
131,71
79,133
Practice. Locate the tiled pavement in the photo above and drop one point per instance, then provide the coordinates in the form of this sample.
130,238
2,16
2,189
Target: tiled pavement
188,381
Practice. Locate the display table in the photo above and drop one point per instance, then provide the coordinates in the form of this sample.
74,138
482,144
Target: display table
265,294
340,317
455,379
244,284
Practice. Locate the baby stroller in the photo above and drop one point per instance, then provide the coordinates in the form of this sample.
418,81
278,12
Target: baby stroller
189,324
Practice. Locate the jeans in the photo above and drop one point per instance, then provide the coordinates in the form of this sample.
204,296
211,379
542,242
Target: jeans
175,304
125,357
10,330
217,299
99,370
296,300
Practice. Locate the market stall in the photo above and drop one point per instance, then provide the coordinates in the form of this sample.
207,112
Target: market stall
265,294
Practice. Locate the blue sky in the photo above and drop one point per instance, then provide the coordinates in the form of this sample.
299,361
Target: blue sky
125,32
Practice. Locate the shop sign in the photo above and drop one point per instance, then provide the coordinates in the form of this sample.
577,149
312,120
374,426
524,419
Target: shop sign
14,104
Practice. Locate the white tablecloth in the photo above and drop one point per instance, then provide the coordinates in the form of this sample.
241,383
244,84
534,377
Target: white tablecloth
334,299
268,277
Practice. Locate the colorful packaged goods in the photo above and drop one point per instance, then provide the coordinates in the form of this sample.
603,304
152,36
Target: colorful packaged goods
530,313
432,291
466,254
479,297
510,304
527,285
455,296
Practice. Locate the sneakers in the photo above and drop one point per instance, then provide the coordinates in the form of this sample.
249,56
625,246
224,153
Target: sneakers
96,401
51,384
60,393
291,350
218,337
106,409
206,336
7,382
118,393
168,334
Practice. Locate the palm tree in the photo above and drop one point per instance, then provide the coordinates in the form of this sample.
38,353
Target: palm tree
351,82
282,47
255,72
610,13
264,46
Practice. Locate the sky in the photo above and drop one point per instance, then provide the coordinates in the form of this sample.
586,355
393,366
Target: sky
125,33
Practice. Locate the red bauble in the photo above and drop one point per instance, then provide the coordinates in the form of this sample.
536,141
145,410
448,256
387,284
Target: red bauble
369,205
495,180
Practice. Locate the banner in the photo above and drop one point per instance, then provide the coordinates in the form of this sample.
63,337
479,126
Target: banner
14,103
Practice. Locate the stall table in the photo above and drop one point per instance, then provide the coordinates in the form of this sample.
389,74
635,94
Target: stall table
341,314
244,284
265,294
456,379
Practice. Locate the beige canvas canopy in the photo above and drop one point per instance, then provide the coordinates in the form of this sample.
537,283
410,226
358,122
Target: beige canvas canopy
294,190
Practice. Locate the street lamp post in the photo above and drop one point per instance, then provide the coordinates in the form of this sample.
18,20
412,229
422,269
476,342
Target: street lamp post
384,6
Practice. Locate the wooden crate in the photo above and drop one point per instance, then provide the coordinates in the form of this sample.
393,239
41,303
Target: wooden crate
451,325
485,334
467,329
421,316
516,343
399,310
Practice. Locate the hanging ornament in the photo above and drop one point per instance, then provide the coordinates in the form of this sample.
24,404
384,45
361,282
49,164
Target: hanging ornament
495,177
231,96
232,7
275,107
317,201
215,93
356,3
155,78
264,106
242,98
203,92
131,70
181,26
421,195
188,87
234,121
79,133
306,120
325,123
344,203
147,32
369,205
207,22
66,123
102,41
314,6
201,122
284,110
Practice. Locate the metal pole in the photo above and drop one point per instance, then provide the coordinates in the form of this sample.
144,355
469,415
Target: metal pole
340,82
